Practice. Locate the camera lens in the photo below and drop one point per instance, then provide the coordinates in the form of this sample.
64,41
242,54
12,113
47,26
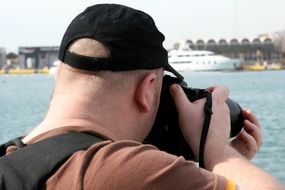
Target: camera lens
236,117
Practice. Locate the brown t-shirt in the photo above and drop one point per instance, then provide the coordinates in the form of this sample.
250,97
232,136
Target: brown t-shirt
125,164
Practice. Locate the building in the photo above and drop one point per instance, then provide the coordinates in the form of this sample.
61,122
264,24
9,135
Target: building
12,62
37,57
268,48
2,57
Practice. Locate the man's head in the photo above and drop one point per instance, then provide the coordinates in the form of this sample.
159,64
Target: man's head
130,35
114,59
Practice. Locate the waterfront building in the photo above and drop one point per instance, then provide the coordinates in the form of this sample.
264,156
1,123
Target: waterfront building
2,57
12,61
266,48
37,57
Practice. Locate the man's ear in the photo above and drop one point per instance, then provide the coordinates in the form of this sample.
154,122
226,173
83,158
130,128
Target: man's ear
145,93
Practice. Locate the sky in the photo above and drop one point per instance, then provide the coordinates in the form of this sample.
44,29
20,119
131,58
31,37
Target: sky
43,22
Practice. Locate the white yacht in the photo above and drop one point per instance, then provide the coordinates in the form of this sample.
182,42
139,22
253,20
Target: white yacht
53,68
197,60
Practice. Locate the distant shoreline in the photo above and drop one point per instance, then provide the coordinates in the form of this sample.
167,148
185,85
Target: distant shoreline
25,71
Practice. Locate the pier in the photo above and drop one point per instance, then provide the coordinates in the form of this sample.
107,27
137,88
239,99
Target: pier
266,51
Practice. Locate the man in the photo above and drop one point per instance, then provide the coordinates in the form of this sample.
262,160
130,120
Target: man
109,84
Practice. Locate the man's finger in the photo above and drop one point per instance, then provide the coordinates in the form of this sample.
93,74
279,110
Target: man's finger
220,93
211,88
249,141
251,117
180,99
254,131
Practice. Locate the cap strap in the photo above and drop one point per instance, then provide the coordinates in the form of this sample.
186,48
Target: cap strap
96,64
87,63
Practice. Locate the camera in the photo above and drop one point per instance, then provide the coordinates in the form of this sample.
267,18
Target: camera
166,134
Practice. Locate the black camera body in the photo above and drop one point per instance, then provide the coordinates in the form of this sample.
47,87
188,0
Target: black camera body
166,134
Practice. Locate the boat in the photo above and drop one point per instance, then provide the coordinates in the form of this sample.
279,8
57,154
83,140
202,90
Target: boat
254,67
274,66
262,66
53,68
201,60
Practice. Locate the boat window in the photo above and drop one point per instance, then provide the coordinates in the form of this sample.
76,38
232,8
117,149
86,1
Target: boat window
177,62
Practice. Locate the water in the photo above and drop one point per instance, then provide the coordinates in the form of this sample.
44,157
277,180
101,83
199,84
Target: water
24,100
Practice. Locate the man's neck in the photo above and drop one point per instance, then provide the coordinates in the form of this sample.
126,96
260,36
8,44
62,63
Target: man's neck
73,110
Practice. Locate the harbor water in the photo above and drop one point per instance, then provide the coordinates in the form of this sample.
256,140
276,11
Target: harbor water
24,100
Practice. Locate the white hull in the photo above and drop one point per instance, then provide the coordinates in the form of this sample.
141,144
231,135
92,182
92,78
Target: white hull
192,60
218,66
53,69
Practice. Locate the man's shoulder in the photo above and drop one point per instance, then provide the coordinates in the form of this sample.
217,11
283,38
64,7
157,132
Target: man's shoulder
120,164
127,150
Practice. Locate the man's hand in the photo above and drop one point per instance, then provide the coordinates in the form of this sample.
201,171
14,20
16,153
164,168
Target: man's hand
191,118
248,142
222,156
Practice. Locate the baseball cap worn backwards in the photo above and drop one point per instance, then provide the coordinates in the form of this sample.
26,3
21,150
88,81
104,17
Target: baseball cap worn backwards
130,35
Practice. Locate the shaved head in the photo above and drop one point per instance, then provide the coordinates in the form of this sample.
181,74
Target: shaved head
70,79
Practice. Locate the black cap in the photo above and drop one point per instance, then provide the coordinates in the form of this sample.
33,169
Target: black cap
130,35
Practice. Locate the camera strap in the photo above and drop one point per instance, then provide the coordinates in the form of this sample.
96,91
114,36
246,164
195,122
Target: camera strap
208,114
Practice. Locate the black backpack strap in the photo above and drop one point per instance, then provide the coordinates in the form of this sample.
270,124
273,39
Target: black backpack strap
17,142
30,166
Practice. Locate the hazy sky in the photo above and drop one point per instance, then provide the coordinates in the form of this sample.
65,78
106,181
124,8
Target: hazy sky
43,22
